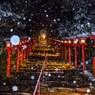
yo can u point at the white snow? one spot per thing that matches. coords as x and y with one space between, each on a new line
14 39
32 77
93 33
14 88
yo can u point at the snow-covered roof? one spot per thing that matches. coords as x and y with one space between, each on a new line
67 37
93 33
73 37
84 35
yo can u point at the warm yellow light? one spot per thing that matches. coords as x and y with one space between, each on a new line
44 36
69 42
82 41
65 41
8 44
62 41
23 42
20 43
17 43
11 45
75 42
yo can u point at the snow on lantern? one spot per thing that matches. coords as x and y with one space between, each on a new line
8 47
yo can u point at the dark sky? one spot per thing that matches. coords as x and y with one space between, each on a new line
47 14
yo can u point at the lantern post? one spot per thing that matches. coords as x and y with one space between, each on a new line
75 44
21 46
8 47
62 46
92 36
82 42
69 44
17 58
65 43
57 46
27 44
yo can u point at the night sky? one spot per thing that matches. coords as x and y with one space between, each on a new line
45 14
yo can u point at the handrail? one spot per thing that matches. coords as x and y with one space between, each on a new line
38 81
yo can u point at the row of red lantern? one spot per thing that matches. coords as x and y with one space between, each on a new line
23 44
72 42
76 41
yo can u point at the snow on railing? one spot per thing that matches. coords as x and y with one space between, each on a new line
38 81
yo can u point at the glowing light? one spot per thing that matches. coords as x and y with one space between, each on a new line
82 41
49 75
32 77
15 88
74 82
75 42
8 45
15 39
65 41
24 18
88 90
44 36
69 42
11 30
4 83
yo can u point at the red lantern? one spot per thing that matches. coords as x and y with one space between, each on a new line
82 43
62 42
65 43
8 47
17 59
69 44
92 36
75 43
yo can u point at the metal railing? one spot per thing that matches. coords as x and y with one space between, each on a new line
38 81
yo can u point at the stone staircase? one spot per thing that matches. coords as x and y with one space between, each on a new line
61 77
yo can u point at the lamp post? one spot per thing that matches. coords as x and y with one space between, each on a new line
27 43
75 43
57 46
62 46
17 58
65 43
82 43
21 45
69 44
92 36
24 47
8 47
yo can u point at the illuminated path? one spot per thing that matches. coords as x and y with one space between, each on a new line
60 77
